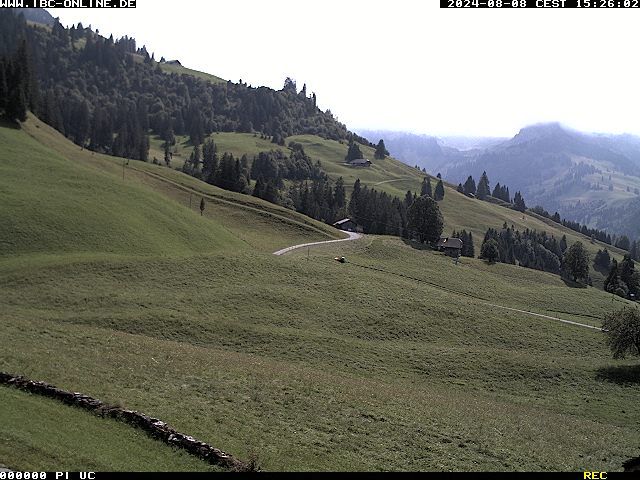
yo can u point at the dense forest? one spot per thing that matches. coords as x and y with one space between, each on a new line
108 95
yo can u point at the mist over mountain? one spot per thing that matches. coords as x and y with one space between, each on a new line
589 178
426 151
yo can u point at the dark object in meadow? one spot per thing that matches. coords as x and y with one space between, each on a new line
632 465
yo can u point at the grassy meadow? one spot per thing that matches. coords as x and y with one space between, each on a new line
392 361
41 434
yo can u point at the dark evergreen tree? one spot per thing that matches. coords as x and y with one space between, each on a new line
424 220
623 242
483 190
469 249
602 259
497 191
426 187
381 151
353 152
460 188
613 283
470 186
576 262
629 276
439 191
489 250
563 243
518 201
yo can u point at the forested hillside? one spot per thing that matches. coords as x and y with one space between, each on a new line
107 94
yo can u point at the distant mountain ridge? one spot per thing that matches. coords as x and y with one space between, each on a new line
589 178
585 177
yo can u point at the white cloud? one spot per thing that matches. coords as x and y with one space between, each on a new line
407 64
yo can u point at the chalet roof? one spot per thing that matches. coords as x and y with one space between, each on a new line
360 161
446 242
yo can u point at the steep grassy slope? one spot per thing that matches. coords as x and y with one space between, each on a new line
317 365
53 205
180 70
239 219
395 178
395 360
66 438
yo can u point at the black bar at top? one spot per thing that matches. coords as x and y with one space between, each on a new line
589 4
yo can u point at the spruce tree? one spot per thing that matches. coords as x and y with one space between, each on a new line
426 187
483 190
518 201
424 219
489 250
381 151
497 191
470 249
470 186
353 152
439 191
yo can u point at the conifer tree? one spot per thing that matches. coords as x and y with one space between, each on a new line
483 190
470 186
518 201
426 187
353 152
489 250
439 191
424 219
381 151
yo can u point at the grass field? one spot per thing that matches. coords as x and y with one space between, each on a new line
40 434
180 70
395 178
391 361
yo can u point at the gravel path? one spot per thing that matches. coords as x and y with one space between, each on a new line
352 236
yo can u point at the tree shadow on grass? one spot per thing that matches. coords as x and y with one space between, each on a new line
417 245
620 374
571 284
4 123
604 271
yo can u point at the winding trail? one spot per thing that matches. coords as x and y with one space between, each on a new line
355 236
546 316
392 180
352 236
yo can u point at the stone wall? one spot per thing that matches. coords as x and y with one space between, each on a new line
154 427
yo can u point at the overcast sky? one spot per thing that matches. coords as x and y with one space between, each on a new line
407 64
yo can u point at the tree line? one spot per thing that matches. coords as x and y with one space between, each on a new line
483 191
107 94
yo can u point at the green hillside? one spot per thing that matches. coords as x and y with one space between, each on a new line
395 178
67 438
180 70
53 205
396 360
